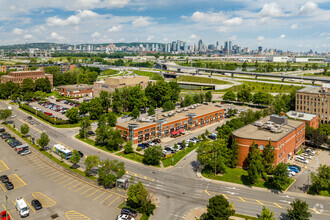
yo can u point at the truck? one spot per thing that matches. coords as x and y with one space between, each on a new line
22 207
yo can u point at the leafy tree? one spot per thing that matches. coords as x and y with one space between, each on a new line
244 95
128 148
208 96
25 129
27 85
75 158
39 95
138 198
299 210
43 84
280 176
102 131
83 108
168 106
254 164
85 126
110 171
95 108
315 136
112 119
268 156
321 180
105 98
152 155
218 209
72 114
5 113
266 214
135 113
90 162
229 96
114 139
263 98
234 152
151 110
44 140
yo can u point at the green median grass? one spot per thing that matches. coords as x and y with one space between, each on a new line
240 176
173 159
197 79
135 157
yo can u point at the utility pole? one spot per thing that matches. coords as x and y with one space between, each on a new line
6 203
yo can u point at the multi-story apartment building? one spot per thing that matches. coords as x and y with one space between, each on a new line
18 77
315 100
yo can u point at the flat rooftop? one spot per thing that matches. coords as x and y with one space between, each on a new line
316 89
75 87
200 110
252 131
300 115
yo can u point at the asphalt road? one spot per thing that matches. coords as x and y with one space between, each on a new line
180 189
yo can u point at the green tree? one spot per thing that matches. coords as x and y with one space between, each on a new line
229 96
90 162
27 85
43 84
25 129
234 152
168 106
151 110
85 127
244 95
263 98
72 114
138 198
218 209
280 176
128 148
152 155
102 131
83 108
75 158
39 95
95 108
266 214
5 114
298 210
208 96
105 98
321 180
114 140
268 156
110 171
44 140
135 113
112 119
254 164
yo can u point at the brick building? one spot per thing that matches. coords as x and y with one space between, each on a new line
315 100
78 90
310 119
112 83
192 118
6 68
19 76
286 136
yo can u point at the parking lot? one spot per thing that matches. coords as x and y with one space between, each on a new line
62 195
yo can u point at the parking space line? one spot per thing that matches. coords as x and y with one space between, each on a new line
3 166
93 193
100 196
225 196
62 178
86 191
113 201
207 192
11 217
39 165
29 205
259 202
76 185
48 175
105 199
45 168
70 183
3 188
278 205
43 199
241 199
18 179
80 188
75 215
57 176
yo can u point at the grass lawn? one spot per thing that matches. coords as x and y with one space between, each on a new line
178 156
109 72
50 156
246 217
322 193
273 80
92 142
197 79
135 157
263 87
240 176
151 75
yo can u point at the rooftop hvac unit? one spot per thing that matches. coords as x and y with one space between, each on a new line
192 107
301 115
185 109
294 113
258 123
178 111
273 129
165 115
171 113
142 119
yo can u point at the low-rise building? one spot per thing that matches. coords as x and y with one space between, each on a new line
286 136
19 76
78 90
169 123
112 83
310 119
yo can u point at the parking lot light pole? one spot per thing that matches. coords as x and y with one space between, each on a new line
6 203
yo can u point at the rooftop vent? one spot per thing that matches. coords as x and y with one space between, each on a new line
294 113
301 115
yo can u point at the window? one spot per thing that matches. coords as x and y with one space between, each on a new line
140 133
146 131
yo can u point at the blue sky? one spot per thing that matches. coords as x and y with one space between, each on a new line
297 25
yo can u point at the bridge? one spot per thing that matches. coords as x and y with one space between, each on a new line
197 70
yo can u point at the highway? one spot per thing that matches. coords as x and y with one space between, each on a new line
180 189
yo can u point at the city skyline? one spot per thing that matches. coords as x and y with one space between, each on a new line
286 25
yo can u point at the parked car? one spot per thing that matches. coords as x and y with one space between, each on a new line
156 141
295 166
5 135
5 215
15 143
129 211
301 159
80 153
36 204
9 185
310 151
294 169
142 145
124 116
2 130
91 133
22 207
291 173
24 152
4 178
125 217
307 156
8 140
212 136
29 117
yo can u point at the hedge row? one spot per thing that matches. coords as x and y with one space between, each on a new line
43 115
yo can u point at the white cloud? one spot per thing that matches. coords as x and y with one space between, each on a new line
115 28
116 3
260 38
72 20
193 37
142 22
150 38
308 8
18 31
234 37
96 35
56 36
28 36
90 4
282 36
271 10
39 29
233 21
211 17
294 27
86 3
222 29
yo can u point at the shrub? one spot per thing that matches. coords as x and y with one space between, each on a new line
139 148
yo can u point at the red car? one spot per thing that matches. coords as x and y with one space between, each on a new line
4 215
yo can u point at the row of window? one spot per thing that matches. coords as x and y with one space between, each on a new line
312 98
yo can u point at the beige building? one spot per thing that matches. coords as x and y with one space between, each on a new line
78 90
112 83
19 76
314 100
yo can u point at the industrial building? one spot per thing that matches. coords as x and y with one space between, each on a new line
286 136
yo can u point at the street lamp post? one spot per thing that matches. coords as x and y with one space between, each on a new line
6 203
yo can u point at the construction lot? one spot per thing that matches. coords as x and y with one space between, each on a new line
63 195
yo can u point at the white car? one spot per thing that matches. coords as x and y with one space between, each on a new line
307 156
310 151
13 116
290 172
125 217
22 207
301 159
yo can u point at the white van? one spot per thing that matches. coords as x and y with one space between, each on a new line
22 207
